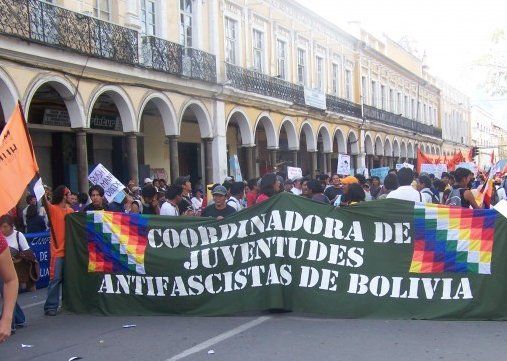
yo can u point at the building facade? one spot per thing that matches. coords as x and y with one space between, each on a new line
163 88
487 135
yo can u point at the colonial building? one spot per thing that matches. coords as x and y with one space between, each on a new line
487 136
154 87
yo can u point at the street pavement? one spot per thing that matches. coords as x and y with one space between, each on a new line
261 336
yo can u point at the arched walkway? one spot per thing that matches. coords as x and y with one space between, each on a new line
8 96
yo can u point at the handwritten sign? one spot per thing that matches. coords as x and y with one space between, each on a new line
294 173
343 164
102 177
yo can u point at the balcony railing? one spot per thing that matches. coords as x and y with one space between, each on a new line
255 82
343 106
399 121
54 26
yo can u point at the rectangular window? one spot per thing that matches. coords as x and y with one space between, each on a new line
258 49
434 117
400 104
334 77
186 23
407 109
102 9
392 101
148 17
364 90
319 68
230 40
348 84
412 106
419 111
373 93
301 67
281 50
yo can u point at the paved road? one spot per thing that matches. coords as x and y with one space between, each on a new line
256 337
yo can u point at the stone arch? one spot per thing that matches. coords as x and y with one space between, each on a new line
379 146
122 102
202 115
353 141
396 148
269 127
388 149
340 140
9 94
166 110
292 135
241 119
67 91
368 144
310 137
327 141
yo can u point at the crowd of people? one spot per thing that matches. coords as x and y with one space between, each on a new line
156 197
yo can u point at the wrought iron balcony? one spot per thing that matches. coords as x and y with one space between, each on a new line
343 106
54 26
255 82
399 121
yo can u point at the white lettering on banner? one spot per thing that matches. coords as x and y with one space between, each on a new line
102 177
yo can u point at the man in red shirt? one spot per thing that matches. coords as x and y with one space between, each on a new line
57 210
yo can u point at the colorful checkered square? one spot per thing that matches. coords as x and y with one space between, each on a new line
116 242
452 239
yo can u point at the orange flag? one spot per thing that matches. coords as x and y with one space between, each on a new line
18 165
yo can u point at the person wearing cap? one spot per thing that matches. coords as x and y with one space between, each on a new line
197 200
148 181
296 189
150 201
346 182
219 209
237 192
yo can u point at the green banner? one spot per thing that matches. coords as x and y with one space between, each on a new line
380 259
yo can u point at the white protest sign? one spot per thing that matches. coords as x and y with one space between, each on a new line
428 168
343 167
102 177
294 173
235 168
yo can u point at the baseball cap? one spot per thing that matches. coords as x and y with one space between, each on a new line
182 180
349 180
219 190
148 180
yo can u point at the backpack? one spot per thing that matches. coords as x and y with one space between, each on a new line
434 198
454 198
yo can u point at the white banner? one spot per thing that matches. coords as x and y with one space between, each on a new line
102 177
315 98
235 168
294 173
343 167
428 168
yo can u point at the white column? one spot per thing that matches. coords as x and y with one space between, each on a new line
219 142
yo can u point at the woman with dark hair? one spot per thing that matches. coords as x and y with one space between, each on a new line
270 185
34 221
355 194
315 188
375 187
390 184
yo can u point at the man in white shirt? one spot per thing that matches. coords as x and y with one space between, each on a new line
237 194
405 191
173 198
296 189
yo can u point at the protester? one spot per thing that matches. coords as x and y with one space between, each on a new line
335 189
35 223
460 194
253 192
173 198
390 184
316 192
500 190
219 209
281 182
288 185
237 192
304 188
185 206
96 193
296 187
346 183
355 194
57 210
270 186
30 200
375 187
197 200
82 201
405 190
424 187
9 291
150 202
362 181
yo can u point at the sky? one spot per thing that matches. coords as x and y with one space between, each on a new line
454 34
